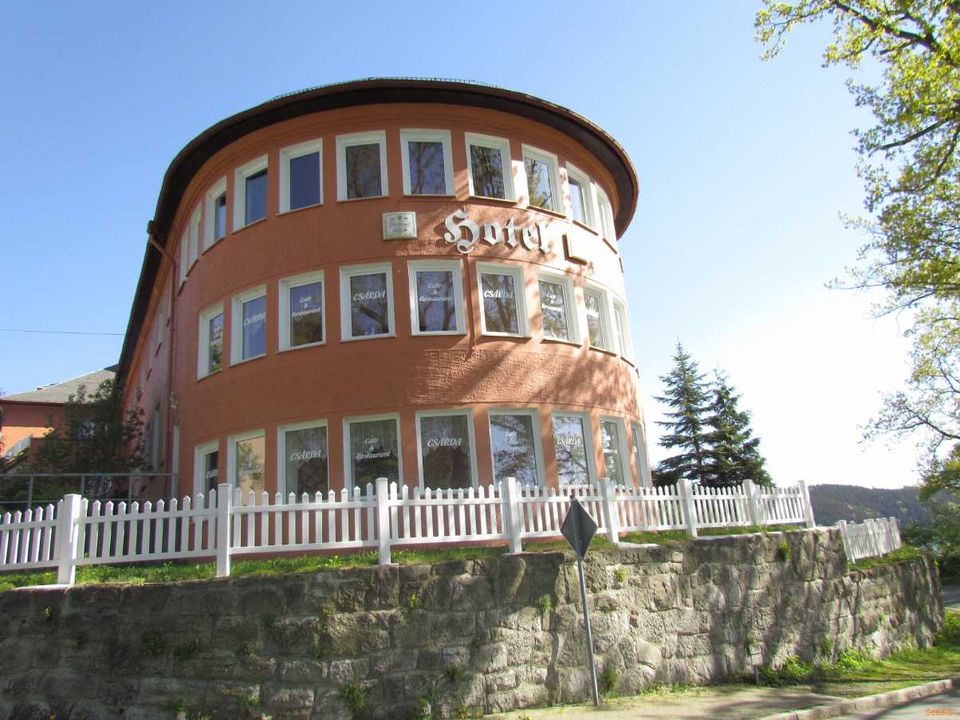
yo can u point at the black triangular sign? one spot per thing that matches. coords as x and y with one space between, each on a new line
578 528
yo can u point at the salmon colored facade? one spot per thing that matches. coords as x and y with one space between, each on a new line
441 339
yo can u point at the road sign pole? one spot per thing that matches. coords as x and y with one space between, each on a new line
586 625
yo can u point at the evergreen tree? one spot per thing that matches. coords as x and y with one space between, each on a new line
733 454
687 395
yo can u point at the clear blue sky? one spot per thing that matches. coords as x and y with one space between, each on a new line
745 167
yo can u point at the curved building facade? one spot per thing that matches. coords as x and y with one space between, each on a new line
404 278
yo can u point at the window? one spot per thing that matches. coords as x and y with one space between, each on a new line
249 325
515 446
372 449
622 329
606 215
301 311
250 193
595 302
542 180
488 162
436 298
303 459
361 165
581 206
366 302
215 213
502 309
246 460
210 345
640 454
184 264
301 176
556 308
193 233
427 164
206 467
573 449
612 439
446 449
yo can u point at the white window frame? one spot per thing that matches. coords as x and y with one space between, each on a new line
639 437
240 176
199 467
203 344
624 450
210 214
589 211
362 138
470 432
349 271
184 263
605 213
347 460
569 306
622 327
453 266
550 159
282 452
292 152
497 143
537 441
236 323
523 321
587 439
283 324
232 441
605 317
440 136
193 233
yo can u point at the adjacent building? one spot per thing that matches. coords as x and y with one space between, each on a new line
416 279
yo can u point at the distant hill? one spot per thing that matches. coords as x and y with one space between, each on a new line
854 503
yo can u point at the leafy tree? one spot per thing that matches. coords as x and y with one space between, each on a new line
941 536
734 454
910 165
687 395
95 435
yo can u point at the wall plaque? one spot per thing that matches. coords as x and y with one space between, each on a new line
400 226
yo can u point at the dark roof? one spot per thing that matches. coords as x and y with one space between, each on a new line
350 94
59 393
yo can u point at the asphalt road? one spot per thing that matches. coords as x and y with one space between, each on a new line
936 706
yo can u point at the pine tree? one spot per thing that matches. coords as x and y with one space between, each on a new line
733 454
688 396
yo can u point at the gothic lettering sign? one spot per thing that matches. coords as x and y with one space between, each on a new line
465 232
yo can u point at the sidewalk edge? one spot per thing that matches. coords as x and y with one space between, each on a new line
869 702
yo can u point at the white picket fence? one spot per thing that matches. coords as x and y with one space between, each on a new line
226 523
871 538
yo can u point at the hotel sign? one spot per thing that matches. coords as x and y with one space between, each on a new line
465 233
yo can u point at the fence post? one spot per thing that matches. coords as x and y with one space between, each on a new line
68 539
611 513
383 520
689 509
224 507
753 507
842 526
807 506
511 513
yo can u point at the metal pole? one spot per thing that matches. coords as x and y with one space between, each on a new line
586 624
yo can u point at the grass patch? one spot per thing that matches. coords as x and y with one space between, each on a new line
907 552
680 537
854 673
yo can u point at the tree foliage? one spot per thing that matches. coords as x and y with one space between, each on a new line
910 165
706 425
94 435
734 454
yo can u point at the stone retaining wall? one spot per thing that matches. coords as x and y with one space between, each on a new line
489 635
